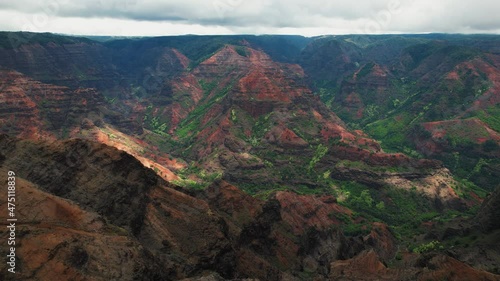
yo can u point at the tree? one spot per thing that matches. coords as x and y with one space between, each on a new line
490 145
380 205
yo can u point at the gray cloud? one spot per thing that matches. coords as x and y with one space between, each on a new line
157 17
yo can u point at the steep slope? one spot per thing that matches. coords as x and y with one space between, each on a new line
78 244
237 114
258 123
430 82
146 222
100 214
36 110
125 67
30 107
106 196
488 215
392 83
241 118
103 180
367 266
56 59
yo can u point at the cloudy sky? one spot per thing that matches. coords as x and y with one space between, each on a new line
305 17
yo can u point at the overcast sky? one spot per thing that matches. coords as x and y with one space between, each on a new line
305 17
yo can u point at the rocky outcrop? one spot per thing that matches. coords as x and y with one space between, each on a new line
96 176
472 130
61 239
305 212
382 241
32 108
367 266
231 113
128 198
103 190
92 205
253 107
285 138
242 116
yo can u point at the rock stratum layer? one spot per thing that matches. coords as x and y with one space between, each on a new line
89 211
329 135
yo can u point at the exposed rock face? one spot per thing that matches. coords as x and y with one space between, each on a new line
382 241
231 113
93 205
94 192
473 130
239 113
108 190
70 171
390 86
253 107
81 64
304 212
370 84
285 138
367 266
103 180
65 240
33 108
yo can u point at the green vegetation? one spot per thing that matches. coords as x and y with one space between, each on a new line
233 115
390 110
360 165
261 126
327 95
428 247
189 184
204 179
9 40
192 124
490 146
366 70
158 124
491 116
465 187
262 191
403 210
319 153
357 229
391 132
242 51
392 115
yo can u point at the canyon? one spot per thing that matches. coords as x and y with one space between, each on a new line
264 157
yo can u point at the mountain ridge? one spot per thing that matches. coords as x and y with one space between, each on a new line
302 164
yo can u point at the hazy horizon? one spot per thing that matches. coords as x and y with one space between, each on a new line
145 18
247 34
